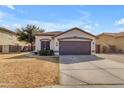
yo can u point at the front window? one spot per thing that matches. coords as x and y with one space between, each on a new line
45 45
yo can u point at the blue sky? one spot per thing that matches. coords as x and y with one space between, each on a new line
94 19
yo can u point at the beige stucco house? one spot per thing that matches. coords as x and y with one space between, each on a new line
105 40
8 39
74 41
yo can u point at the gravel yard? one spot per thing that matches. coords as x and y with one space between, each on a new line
18 70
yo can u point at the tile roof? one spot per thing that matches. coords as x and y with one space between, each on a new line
76 29
48 33
113 34
120 34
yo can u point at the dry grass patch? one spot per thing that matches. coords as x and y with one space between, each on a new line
22 71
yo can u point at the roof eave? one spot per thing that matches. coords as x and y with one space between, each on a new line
4 29
73 29
42 35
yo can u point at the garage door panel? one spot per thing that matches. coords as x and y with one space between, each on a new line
74 47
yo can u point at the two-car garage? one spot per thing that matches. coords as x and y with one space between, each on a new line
75 47
75 42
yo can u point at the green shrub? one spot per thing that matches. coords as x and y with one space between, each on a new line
46 52
51 52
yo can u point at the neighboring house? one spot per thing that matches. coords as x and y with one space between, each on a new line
8 40
110 42
74 41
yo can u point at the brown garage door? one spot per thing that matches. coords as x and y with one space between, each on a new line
75 47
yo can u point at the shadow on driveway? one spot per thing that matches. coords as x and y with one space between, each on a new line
63 59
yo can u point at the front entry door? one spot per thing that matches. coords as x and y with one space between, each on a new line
45 45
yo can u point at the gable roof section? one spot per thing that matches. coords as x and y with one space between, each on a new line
7 30
108 34
112 34
74 29
120 34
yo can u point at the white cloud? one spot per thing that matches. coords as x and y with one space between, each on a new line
120 22
50 26
6 26
11 26
11 7
2 15
88 27
5 15
121 29
16 25
62 25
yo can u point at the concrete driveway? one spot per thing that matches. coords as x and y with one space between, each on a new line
90 70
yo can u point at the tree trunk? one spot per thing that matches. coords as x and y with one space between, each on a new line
31 46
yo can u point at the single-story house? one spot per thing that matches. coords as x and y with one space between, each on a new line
110 42
9 41
74 41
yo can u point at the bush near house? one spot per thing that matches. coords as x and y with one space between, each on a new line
46 52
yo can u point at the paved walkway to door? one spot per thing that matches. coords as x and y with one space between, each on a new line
89 70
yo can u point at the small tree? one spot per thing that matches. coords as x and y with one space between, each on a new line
27 33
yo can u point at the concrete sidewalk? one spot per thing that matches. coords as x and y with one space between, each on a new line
90 70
